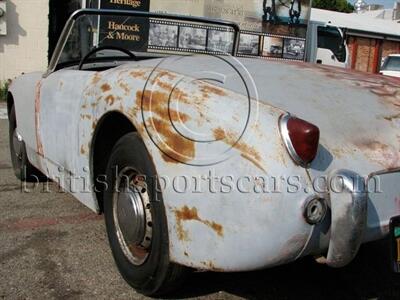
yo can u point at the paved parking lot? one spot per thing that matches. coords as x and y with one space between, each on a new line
52 247
3 111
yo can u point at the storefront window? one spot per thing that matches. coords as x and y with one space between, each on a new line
59 12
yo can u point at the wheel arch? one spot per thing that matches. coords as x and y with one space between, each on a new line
110 128
10 103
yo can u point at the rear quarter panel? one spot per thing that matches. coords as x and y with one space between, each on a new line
217 227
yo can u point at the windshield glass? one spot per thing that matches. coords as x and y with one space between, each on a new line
392 63
330 38
143 34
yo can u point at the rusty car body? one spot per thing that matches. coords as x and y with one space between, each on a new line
69 120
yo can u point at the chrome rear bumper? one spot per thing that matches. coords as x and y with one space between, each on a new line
348 203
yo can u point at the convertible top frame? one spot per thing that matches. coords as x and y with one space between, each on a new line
110 12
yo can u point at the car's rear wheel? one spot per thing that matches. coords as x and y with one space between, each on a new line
23 169
136 222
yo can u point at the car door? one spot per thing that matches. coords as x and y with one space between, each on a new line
60 101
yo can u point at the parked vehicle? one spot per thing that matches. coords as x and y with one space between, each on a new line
137 126
326 45
391 66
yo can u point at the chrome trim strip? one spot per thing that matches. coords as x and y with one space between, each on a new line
107 12
60 46
348 217
383 172
283 121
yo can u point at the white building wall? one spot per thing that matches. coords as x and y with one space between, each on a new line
24 48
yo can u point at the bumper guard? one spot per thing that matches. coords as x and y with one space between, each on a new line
348 199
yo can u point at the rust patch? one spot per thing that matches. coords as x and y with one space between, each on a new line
157 103
182 233
162 74
164 85
186 254
209 265
252 160
83 150
383 154
393 117
386 88
246 151
110 99
338 153
96 78
132 112
180 95
87 116
177 147
219 134
105 87
39 144
208 89
175 93
190 214
138 74
167 74
125 87
121 107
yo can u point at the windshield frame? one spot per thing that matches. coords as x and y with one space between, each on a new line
111 12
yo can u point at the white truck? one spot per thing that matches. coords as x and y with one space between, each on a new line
326 45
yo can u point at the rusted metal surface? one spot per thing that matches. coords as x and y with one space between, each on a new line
25 89
351 101
246 151
39 145
159 110
191 214
194 127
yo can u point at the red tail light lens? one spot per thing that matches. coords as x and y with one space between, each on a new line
301 139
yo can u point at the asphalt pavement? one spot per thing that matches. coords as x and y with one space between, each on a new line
53 247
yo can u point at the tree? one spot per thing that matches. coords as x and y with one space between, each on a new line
335 5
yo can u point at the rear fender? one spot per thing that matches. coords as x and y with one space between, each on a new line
208 228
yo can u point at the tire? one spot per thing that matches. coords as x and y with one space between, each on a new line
23 169
150 272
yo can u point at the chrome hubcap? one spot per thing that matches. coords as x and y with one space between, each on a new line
132 216
17 144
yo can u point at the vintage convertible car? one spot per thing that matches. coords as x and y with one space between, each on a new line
213 161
